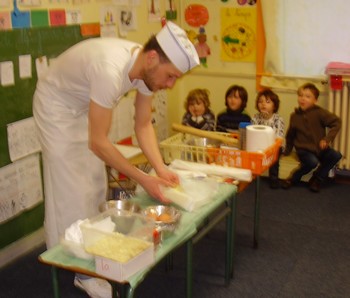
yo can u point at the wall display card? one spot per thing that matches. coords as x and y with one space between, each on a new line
5 20
7 74
40 18
25 66
4 3
22 138
73 17
154 14
20 187
57 17
238 34
20 19
108 15
127 19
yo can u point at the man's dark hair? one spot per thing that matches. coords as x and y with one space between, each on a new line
242 92
152 44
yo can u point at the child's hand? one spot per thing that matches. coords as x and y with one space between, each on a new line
323 144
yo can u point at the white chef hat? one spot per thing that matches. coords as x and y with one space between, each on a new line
179 49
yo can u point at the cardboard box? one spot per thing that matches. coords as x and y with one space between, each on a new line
106 228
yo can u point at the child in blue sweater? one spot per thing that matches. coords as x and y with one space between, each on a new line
236 99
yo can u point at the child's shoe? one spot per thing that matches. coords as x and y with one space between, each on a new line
286 184
314 184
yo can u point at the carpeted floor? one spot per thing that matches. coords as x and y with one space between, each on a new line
304 251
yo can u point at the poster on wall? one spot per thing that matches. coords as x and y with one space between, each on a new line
238 34
20 186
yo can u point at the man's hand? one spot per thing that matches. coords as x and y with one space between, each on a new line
153 186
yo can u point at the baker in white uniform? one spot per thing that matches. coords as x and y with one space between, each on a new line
72 108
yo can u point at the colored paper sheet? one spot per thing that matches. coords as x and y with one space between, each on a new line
5 20
90 29
40 18
57 17
20 19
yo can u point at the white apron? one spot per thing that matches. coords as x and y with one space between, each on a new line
75 180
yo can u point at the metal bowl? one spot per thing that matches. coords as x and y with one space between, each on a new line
124 205
165 217
204 142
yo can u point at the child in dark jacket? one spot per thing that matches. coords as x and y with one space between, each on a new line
236 98
311 131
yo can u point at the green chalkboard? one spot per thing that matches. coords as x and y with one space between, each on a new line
16 102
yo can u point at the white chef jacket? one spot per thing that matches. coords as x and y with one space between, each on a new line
75 181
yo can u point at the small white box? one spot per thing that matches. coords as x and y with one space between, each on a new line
106 226
122 271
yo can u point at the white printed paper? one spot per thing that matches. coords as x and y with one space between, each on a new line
25 66
22 138
7 73
73 17
20 187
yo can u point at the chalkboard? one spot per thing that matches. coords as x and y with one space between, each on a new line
16 102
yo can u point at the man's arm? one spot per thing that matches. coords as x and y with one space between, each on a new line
99 124
147 139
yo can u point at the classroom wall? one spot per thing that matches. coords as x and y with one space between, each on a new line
217 77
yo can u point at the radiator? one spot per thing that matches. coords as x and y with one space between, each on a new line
339 104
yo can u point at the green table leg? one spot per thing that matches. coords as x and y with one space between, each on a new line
125 291
189 269
56 290
230 239
257 212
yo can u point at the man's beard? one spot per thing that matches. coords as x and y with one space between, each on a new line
148 79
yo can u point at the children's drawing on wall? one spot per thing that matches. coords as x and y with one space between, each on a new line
73 17
20 186
202 47
170 10
238 34
197 15
126 20
5 21
108 17
153 11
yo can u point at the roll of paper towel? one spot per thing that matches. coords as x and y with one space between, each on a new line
259 137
